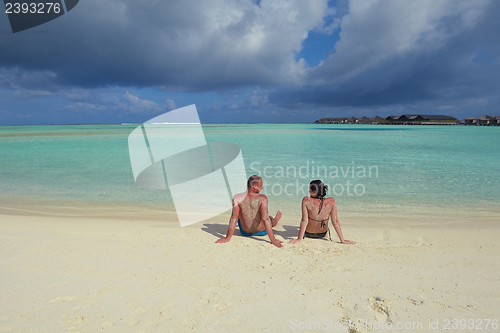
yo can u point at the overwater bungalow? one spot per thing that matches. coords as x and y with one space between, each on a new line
409 119
364 120
422 119
376 119
483 120
433 119
392 119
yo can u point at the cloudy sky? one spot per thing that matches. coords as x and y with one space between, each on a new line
120 61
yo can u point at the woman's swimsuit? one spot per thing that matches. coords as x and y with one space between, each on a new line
315 234
323 224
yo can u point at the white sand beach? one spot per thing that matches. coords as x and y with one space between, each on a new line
112 275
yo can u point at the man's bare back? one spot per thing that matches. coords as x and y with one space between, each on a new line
250 214
250 209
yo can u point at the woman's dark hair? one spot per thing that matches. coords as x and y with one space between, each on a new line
319 187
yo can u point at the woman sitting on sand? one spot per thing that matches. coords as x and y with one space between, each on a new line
316 210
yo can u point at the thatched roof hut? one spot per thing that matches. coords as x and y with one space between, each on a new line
364 120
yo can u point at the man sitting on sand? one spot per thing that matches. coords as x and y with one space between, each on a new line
250 211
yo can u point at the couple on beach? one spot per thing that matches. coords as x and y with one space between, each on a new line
250 212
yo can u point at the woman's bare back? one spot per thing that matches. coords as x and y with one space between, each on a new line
318 213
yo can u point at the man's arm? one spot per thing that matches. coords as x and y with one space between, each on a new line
264 214
336 225
303 223
232 222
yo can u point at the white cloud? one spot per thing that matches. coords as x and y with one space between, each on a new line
170 104
17 78
114 101
30 94
134 104
376 31
86 108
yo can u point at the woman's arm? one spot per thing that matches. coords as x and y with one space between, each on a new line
303 223
336 225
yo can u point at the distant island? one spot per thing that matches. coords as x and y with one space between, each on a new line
414 119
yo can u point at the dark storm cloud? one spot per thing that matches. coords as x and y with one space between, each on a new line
184 45
447 56
16 78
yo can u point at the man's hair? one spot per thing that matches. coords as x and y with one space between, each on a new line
252 180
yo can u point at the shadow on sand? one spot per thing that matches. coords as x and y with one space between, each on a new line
220 230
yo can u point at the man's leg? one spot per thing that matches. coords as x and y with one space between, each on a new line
275 220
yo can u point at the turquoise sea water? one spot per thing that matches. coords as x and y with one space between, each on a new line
397 169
